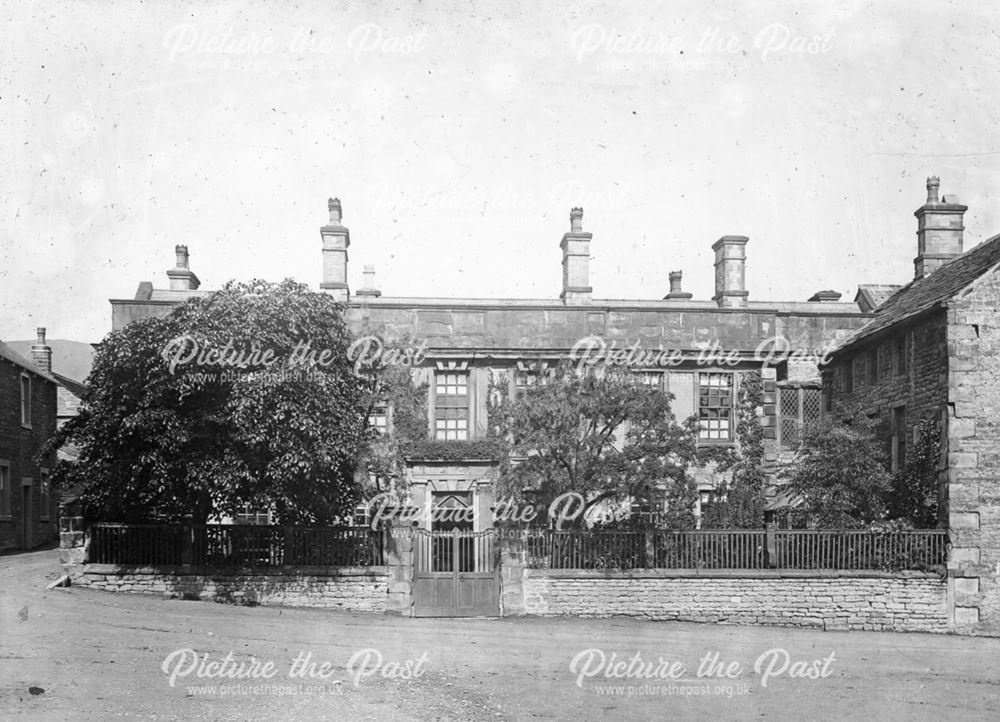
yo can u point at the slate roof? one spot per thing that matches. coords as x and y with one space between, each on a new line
876 294
924 294
74 387
11 355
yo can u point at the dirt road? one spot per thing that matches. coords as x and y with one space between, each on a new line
99 655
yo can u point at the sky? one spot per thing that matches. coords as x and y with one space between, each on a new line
458 135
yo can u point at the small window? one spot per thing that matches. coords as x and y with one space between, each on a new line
252 515
26 400
902 353
4 488
873 366
796 408
45 497
715 406
378 419
652 380
898 438
848 371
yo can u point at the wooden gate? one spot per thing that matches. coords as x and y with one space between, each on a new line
455 574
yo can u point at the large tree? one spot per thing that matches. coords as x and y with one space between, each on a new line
246 396
839 476
604 436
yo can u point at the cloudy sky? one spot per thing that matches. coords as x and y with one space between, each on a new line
459 134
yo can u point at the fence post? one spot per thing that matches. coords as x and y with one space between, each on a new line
288 551
512 560
649 552
770 545
186 545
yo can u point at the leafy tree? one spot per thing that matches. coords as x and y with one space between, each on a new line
603 436
915 488
839 474
246 396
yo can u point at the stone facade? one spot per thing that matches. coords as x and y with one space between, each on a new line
361 589
973 467
905 602
930 352
28 503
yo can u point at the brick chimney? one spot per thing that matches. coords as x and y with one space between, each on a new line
336 240
730 271
940 224
181 277
41 352
369 289
675 287
575 247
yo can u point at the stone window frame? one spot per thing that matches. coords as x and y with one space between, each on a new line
799 418
871 365
730 431
528 374
25 381
44 494
901 362
6 480
898 448
452 410
848 374
379 418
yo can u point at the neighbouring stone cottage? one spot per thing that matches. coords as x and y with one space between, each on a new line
931 353
28 418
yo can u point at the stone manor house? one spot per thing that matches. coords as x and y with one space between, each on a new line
468 339
924 350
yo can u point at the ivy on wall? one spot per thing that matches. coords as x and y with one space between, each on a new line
742 506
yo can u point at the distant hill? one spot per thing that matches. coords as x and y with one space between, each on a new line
72 359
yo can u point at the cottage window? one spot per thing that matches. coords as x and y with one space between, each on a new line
796 408
848 371
902 351
26 400
898 438
378 419
873 366
715 406
44 497
4 488
451 406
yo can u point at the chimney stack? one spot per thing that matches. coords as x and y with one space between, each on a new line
675 287
369 289
730 271
181 276
940 224
575 247
336 240
41 352
825 297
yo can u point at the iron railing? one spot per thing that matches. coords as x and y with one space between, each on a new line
736 549
234 545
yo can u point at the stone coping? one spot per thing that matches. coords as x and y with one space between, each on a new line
193 570
727 574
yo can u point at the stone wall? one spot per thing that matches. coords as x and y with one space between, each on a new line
360 589
908 601
922 389
973 473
